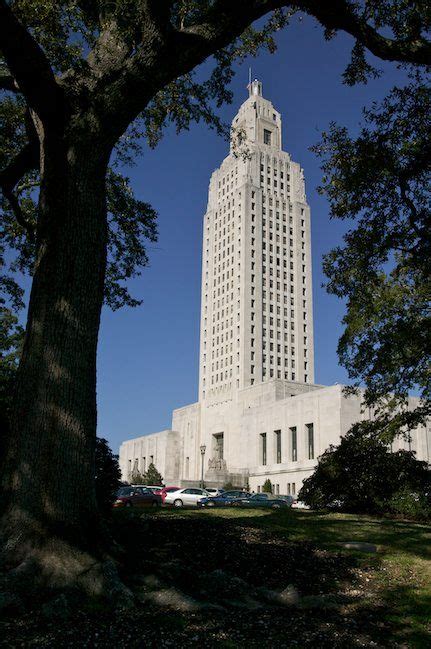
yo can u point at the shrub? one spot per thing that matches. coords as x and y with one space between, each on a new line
107 478
267 487
228 486
410 504
362 475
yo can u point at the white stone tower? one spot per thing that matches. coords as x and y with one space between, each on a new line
256 310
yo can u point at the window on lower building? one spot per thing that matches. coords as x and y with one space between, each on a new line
218 446
310 440
293 489
263 448
293 444
277 434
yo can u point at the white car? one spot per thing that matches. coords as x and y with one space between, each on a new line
214 492
185 497
298 504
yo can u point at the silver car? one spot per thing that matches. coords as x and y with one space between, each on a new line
190 496
214 492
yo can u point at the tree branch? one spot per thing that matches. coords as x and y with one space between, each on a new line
413 216
183 49
337 14
26 160
7 82
30 68
342 15
16 208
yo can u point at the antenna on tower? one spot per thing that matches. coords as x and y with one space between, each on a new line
249 81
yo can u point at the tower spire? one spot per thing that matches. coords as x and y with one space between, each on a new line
254 87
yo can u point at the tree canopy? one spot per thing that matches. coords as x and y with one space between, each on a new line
381 181
82 56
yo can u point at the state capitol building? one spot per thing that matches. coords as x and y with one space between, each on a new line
259 414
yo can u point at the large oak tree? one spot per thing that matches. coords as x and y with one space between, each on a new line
78 76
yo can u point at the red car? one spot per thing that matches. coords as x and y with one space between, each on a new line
166 490
137 497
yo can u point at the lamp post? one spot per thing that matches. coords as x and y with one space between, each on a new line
203 449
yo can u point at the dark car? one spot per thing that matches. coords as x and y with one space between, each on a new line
263 500
224 499
137 497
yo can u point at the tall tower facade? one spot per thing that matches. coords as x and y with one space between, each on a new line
256 308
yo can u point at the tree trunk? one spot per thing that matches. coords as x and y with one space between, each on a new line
50 525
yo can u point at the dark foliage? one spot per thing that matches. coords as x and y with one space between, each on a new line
107 477
362 475
11 339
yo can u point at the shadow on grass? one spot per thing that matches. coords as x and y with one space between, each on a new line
400 536
245 578
231 559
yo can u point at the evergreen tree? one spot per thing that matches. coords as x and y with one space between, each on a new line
267 486
107 477
152 476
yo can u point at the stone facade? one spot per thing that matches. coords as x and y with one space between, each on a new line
259 413
274 430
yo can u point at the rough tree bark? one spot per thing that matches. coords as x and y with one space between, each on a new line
51 527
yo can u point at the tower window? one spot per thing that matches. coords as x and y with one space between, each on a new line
266 136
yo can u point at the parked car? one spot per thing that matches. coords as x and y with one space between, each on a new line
152 487
289 499
137 497
165 490
185 497
263 500
214 492
298 504
223 500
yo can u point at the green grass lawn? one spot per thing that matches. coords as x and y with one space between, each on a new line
398 576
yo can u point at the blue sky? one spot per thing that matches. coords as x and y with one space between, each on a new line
148 356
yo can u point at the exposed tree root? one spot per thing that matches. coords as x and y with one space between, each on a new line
37 571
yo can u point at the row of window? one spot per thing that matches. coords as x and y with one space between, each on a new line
290 489
133 465
291 451
220 311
